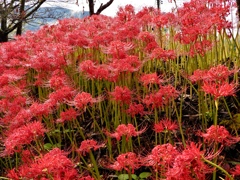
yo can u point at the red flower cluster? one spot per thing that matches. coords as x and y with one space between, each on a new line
67 115
162 97
219 134
165 125
152 78
188 161
127 161
219 90
219 73
121 94
87 145
125 130
23 135
135 109
165 55
215 82
161 157
54 164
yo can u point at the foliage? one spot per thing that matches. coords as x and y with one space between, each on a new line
139 96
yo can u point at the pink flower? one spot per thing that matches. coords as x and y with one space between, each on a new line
165 125
127 130
219 134
87 145
127 161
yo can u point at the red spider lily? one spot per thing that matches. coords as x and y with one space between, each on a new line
219 89
118 49
10 91
146 37
150 47
45 60
198 75
121 94
13 74
86 178
211 16
236 170
61 95
129 30
218 73
161 157
39 110
127 64
200 48
164 20
126 13
162 97
87 145
68 115
54 164
58 79
187 162
135 109
219 134
152 78
165 55
11 108
165 125
93 71
125 130
101 71
22 117
23 135
4 80
83 99
127 161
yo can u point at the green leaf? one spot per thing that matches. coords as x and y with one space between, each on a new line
123 177
126 176
145 175
48 146
134 176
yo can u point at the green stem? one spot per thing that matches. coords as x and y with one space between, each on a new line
179 118
218 167
216 112
95 165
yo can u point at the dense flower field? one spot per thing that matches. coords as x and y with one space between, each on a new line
144 95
